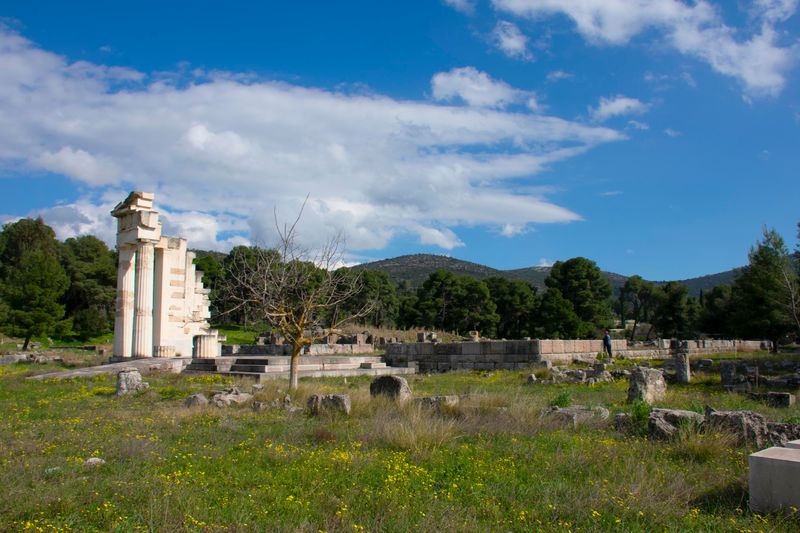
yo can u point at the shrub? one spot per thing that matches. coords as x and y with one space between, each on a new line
640 414
562 399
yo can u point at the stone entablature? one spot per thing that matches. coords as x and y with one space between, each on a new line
162 307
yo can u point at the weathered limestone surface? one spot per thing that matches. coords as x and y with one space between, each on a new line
646 384
330 403
749 427
161 304
393 387
665 423
774 480
129 381
196 400
683 372
578 414
438 403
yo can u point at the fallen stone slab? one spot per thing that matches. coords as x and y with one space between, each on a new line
747 426
438 403
577 414
329 403
774 399
665 423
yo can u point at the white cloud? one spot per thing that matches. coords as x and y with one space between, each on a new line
79 165
671 132
511 41
475 88
773 10
464 6
610 193
512 230
220 152
758 61
617 106
635 124
544 262
558 75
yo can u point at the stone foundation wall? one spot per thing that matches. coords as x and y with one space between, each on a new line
514 355
286 349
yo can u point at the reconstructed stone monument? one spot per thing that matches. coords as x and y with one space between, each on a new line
162 307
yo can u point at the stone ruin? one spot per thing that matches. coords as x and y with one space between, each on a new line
161 307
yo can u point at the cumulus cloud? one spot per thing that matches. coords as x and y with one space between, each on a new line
672 133
759 60
544 262
475 88
617 106
511 41
221 152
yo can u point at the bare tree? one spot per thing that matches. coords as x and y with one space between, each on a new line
300 293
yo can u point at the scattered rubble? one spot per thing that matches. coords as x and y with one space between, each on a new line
232 395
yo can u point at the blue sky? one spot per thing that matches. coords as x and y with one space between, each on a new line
653 136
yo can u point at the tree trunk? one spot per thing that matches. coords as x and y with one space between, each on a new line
293 364
633 330
26 343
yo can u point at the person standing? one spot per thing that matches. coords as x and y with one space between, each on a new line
607 344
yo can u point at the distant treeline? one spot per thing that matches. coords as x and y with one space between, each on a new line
67 289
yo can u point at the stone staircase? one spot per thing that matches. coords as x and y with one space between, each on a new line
261 367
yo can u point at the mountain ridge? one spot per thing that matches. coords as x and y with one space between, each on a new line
410 271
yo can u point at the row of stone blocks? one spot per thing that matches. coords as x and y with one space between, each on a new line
718 345
774 479
286 349
495 351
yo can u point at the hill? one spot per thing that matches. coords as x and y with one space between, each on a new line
411 271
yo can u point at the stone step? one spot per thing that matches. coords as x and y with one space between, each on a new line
372 365
327 373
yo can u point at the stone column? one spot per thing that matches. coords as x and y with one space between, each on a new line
206 346
143 315
123 318
683 371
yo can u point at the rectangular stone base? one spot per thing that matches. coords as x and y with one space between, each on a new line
774 479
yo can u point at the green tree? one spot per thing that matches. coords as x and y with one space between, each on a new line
670 318
455 303
715 312
764 292
89 301
638 299
557 318
378 290
581 282
211 265
516 302
32 279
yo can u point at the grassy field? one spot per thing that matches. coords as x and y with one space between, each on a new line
494 463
